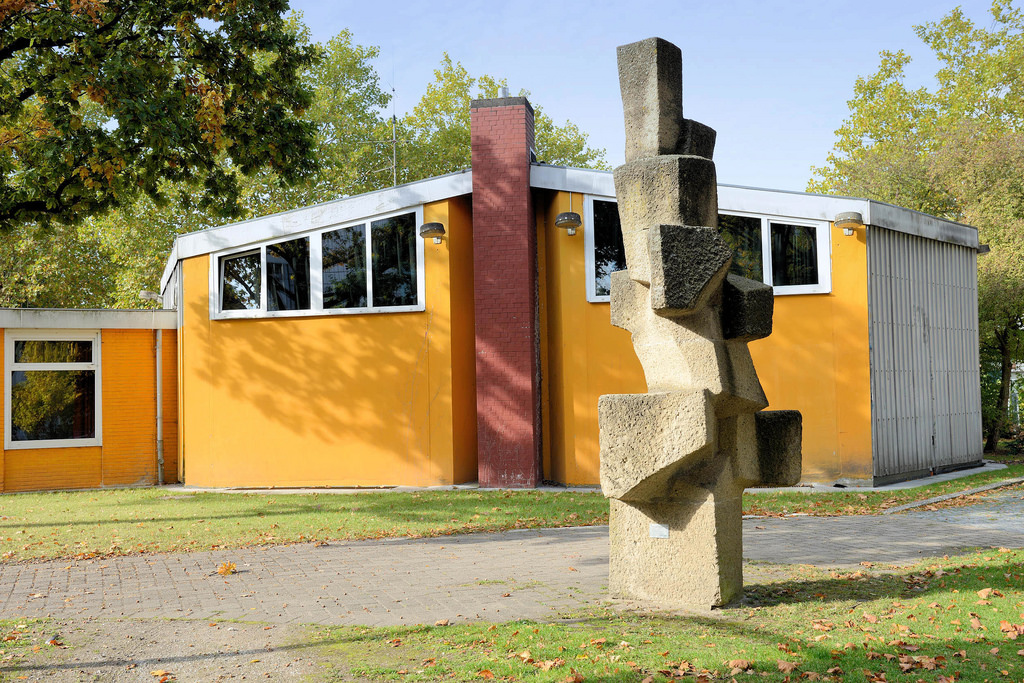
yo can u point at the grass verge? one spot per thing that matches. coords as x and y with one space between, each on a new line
853 502
19 638
85 524
956 619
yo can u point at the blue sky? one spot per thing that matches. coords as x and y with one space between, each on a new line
771 77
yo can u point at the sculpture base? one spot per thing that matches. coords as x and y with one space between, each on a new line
682 553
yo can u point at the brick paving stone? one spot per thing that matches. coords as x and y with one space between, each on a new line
536 574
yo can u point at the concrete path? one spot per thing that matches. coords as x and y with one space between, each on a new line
494 577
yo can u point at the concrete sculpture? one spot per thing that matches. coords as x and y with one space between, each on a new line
675 461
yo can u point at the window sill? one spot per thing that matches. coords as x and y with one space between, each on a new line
52 443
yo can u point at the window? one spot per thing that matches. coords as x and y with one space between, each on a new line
51 389
792 256
325 272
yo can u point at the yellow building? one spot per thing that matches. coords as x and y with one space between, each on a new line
333 345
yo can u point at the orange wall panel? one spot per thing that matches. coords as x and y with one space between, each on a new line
816 360
583 356
129 407
127 456
332 400
52 468
170 405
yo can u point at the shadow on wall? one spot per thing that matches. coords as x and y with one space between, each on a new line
316 390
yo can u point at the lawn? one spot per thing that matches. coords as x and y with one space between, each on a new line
852 502
955 619
87 524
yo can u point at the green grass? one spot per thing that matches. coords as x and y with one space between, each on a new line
87 524
123 521
853 502
926 622
19 637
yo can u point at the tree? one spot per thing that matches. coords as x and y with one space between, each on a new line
101 100
438 128
105 260
957 151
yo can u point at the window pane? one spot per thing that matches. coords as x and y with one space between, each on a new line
53 404
240 282
288 275
794 255
743 235
609 254
393 245
345 268
33 351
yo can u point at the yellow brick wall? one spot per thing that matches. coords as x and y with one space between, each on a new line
170 401
128 407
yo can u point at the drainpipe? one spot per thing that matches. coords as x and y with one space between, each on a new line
159 407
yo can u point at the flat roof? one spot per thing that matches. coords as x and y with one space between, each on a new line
778 203
87 319
562 178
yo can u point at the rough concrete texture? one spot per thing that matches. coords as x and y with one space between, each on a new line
677 430
747 307
675 461
779 433
688 265
653 73
696 139
666 190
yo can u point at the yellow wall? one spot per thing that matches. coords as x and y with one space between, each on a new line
336 400
816 360
128 453
582 355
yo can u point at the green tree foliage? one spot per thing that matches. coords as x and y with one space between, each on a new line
107 259
954 150
438 127
103 99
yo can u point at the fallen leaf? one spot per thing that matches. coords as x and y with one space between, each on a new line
787 667
485 673
984 593
441 622
226 568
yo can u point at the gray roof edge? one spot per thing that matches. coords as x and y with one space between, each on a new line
790 203
310 217
892 217
88 319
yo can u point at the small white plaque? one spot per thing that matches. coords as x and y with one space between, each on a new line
659 530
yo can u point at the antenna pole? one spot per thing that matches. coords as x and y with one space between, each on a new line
394 151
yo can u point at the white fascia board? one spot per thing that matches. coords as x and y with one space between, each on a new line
72 319
565 179
783 203
305 219
172 262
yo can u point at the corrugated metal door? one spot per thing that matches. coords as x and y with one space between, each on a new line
923 317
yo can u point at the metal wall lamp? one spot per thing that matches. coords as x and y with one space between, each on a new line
848 221
568 220
435 230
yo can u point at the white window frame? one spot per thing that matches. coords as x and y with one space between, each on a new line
10 367
316 294
822 239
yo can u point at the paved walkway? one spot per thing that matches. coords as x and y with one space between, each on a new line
495 577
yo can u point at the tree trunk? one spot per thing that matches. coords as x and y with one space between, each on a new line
1002 404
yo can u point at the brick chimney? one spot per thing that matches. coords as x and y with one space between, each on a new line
505 290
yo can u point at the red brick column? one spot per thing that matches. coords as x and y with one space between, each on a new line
505 291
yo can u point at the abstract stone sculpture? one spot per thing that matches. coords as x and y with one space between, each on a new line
675 460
